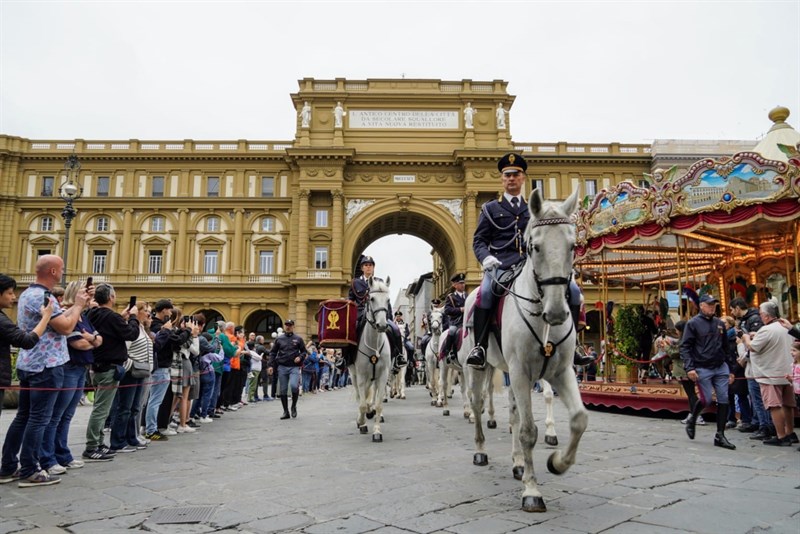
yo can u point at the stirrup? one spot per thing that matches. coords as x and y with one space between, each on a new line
477 358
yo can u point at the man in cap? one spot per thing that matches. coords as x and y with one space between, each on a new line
454 312
498 244
705 354
426 325
287 354
359 293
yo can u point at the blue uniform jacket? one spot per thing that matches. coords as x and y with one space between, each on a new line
452 309
500 232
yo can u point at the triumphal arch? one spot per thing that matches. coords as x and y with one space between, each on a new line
256 231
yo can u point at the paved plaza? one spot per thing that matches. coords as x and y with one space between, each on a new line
317 474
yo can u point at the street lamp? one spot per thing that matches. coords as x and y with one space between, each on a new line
70 191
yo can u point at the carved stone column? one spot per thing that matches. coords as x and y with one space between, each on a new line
236 253
470 224
236 310
180 247
302 233
337 230
301 308
125 243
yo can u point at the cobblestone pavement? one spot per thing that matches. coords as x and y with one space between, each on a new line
316 474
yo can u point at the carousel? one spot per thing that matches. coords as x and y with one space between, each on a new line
729 227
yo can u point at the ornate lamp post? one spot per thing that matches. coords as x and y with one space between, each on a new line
70 191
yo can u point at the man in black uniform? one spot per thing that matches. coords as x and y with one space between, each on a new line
426 324
287 353
359 293
454 313
499 244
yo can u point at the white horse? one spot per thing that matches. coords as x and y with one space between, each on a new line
432 353
370 371
448 373
538 339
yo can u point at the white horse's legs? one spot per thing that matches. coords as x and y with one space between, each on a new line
462 381
521 385
550 427
478 387
444 383
567 387
401 382
517 461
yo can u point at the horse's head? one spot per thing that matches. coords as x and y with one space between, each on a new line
550 238
378 304
436 321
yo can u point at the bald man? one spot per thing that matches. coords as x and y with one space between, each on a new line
40 368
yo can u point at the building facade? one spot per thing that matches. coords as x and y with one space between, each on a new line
257 231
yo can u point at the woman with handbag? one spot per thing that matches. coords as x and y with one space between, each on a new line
124 427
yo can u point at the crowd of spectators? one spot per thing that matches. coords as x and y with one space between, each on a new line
154 373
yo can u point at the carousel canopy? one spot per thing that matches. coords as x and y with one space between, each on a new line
720 213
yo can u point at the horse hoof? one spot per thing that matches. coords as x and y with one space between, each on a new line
446 413
552 467
382 420
363 429
377 438
433 403
551 440
466 416
385 400
402 397
517 471
370 414
480 458
439 404
491 423
533 504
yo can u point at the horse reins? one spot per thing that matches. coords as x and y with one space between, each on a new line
373 358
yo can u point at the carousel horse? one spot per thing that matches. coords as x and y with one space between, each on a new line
538 343
432 353
370 371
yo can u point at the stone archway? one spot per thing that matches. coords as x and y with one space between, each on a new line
212 316
419 218
263 322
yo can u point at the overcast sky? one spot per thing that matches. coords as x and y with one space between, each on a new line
581 71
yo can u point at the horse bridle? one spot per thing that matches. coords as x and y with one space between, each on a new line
373 322
553 280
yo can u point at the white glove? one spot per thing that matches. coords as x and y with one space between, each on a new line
490 262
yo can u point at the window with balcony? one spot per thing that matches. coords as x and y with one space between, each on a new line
212 224
267 186
322 219
266 262
321 257
157 187
99 261
101 224
48 182
538 184
157 223
46 224
212 186
103 186
211 262
155 262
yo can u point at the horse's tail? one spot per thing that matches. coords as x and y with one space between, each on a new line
497 381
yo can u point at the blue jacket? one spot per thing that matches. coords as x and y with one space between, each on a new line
500 232
705 344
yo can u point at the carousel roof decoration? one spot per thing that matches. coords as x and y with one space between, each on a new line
719 211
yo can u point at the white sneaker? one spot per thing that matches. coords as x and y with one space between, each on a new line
700 420
233 407
169 432
57 470
206 420
185 430
75 464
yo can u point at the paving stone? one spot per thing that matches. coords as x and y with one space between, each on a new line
177 528
430 522
488 525
352 525
595 519
7 526
278 523
106 525
633 527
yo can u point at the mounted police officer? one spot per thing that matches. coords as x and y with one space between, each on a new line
454 312
359 293
426 324
499 245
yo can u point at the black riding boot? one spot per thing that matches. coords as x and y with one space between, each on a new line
481 320
397 348
722 417
294 403
285 403
690 424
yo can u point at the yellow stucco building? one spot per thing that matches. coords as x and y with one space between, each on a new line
257 231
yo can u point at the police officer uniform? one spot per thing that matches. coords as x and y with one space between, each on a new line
498 244
454 312
426 324
285 350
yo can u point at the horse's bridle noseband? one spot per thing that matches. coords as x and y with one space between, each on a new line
553 280
371 316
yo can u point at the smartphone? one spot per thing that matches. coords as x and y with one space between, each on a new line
88 282
132 302
47 296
